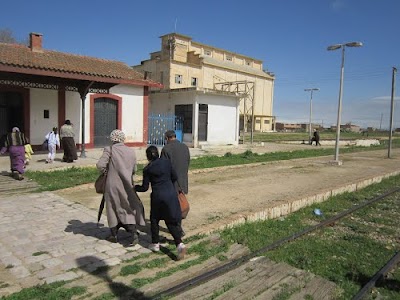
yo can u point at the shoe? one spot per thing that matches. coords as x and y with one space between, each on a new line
154 247
135 239
112 239
183 233
181 251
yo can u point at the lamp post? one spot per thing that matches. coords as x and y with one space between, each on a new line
330 48
310 124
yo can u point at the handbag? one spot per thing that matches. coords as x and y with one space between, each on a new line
100 183
184 203
45 145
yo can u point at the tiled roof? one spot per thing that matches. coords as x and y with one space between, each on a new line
19 56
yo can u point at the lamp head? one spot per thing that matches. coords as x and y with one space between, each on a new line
335 47
353 44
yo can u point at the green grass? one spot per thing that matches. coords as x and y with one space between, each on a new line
349 253
53 291
325 135
65 178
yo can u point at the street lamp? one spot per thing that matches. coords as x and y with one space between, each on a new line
310 124
330 48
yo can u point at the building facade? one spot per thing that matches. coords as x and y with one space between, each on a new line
182 63
40 89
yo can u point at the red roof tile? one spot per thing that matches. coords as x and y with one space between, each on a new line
13 55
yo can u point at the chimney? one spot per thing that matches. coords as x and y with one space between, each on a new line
36 42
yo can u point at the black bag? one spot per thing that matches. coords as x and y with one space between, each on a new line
100 184
45 145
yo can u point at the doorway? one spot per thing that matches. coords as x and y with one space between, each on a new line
203 122
105 120
11 111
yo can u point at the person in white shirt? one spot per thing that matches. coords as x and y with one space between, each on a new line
53 140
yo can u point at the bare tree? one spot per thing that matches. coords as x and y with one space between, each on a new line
7 36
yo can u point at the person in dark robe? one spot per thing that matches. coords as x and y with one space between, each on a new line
67 135
316 138
164 203
179 155
14 142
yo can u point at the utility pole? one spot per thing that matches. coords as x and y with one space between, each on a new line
380 124
392 110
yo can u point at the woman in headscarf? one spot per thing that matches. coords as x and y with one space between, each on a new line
14 143
164 199
67 135
123 206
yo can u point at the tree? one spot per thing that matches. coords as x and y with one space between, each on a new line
7 36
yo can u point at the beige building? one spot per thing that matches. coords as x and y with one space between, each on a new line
183 64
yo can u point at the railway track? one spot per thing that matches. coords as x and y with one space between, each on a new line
239 262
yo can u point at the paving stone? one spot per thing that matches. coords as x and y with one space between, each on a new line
62 277
49 263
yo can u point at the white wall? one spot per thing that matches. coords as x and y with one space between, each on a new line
39 126
43 99
73 112
222 119
132 111
223 114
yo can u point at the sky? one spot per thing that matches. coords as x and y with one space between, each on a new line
290 37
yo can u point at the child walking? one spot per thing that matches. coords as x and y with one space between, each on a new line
28 153
53 140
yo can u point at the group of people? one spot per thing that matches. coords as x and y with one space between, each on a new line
66 139
167 174
20 150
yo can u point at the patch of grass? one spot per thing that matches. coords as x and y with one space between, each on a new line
204 249
105 296
3 285
348 253
226 287
39 253
51 291
151 264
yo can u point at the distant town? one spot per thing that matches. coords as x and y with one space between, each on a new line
304 127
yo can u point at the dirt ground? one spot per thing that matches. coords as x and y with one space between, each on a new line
220 196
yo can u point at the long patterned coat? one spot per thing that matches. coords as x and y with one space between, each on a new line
179 155
122 203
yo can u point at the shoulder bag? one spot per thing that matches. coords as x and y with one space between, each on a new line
183 202
100 183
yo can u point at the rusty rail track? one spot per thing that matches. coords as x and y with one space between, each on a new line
187 285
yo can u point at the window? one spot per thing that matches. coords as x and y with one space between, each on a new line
194 81
207 52
228 57
185 112
178 79
248 63
266 121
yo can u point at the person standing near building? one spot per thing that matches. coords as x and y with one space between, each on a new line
179 155
53 141
67 135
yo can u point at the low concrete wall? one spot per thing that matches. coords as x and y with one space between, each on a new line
362 142
288 207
